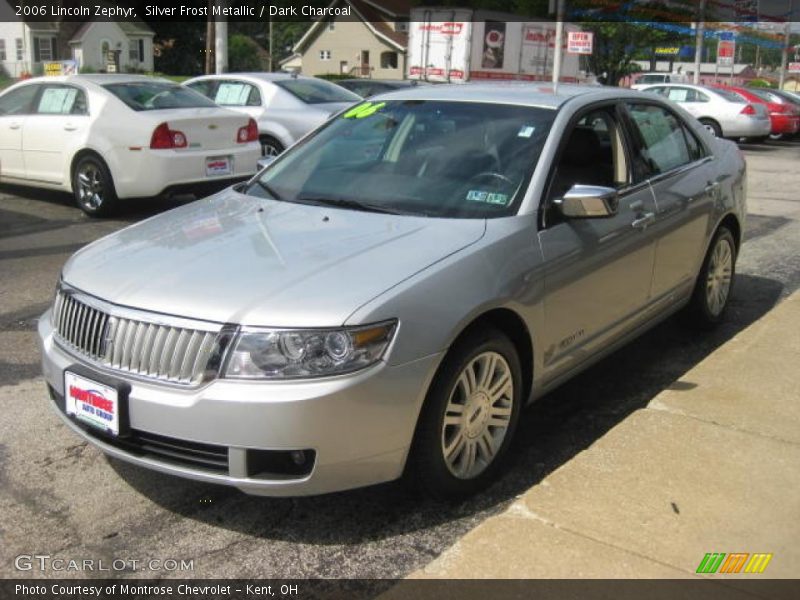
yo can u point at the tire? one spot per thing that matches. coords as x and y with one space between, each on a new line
757 140
714 285
777 136
712 126
477 447
93 187
270 146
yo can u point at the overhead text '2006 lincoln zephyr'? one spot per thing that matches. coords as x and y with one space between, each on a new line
384 298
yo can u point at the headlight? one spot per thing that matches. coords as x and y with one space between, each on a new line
288 354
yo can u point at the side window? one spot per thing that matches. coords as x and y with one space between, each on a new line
18 101
696 149
61 100
661 137
701 97
594 154
237 93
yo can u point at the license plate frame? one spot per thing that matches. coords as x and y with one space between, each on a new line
89 395
219 166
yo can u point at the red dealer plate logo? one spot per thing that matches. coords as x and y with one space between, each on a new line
218 165
92 402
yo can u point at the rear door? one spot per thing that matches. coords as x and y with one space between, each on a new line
60 115
599 270
15 106
680 169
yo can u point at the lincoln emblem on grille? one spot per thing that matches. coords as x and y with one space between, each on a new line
106 339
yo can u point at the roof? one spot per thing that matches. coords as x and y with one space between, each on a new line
262 76
128 28
98 78
524 94
374 17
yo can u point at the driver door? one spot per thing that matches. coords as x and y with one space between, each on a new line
598 270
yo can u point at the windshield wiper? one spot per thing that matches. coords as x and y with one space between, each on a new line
349 203
267 188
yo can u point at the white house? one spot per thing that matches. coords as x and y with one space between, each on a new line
25 46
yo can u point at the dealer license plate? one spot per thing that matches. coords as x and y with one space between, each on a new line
217 166
92 402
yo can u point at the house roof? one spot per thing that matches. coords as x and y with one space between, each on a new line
132 28
373 16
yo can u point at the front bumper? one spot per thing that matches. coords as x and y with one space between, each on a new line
147 173
358 426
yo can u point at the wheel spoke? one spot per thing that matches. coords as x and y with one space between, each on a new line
500 387
454 449
488 367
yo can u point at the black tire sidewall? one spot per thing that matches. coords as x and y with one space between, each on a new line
268 140
717 129
699 304
427 466
109 194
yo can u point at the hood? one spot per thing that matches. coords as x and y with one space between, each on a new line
239 259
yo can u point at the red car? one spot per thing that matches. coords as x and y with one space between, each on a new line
784 116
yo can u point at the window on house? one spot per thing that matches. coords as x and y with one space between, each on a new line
2 50
324 54
331 25
133 51
44 49
20 54
388 60
140 43
401 26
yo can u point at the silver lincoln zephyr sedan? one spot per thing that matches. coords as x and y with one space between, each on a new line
385 297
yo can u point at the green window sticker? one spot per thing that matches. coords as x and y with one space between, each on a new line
487 197
363 110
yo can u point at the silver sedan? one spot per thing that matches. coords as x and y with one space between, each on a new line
722 112
384 298
285 106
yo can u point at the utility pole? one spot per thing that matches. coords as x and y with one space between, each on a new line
786 42
271 63
558 45
210 39
221 42
698 41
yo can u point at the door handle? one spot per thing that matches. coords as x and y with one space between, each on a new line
644 220
14 125
70 127
712 185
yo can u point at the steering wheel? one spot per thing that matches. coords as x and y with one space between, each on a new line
492 175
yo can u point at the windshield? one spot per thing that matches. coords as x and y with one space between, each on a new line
316 91
440 159
154 95
651 79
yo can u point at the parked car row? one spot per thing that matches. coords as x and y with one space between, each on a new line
735 112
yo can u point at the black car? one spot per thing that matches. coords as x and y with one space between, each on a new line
369 87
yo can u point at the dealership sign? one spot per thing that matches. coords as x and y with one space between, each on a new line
60 67
726 49
580 42
793 67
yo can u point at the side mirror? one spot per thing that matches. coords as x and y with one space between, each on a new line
264 161
588 202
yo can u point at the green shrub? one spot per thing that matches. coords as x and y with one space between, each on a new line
760 83
244 54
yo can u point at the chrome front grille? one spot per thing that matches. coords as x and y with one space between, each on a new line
147 347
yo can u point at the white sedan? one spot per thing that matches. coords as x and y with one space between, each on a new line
107 137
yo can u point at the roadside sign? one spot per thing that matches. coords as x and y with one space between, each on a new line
667 50
793 67
60 67
580 42
726 50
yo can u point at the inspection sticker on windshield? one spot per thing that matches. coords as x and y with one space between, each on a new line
526 131
364 110
487 197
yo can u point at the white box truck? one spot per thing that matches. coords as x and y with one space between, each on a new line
458 44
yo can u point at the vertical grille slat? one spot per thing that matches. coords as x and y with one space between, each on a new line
152 350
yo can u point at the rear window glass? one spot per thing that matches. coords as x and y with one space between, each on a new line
316 91
157 96
729 96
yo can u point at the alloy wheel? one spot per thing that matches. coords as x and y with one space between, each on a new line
478 415
90 186
718 279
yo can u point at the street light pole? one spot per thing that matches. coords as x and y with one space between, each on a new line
558 45
698 41
786 42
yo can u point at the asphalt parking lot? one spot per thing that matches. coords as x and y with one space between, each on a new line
62 498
